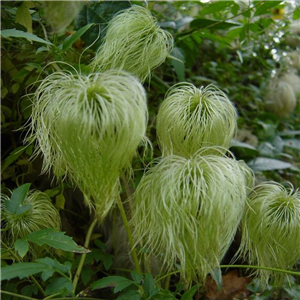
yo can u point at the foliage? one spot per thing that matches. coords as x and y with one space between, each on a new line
238 46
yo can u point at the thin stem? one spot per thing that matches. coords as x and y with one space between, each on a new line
17 295
261 268
129 234
82 259
18 260
167 275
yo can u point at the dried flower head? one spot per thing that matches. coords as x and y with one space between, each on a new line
88 127
41 215
270 230
187 210
190 118
133 42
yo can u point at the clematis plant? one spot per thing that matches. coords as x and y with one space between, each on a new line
88 128
42 214
190 118
133 42
270 231
187 210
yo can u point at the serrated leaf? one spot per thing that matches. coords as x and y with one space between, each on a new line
14 205
55 239
149 285
98 12
188 295
14 33
21 247
137 277
130 295
60 284
268 164
21 270
120 283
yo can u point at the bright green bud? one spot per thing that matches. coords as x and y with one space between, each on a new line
89 127
190 118
133 42
187 211
271 230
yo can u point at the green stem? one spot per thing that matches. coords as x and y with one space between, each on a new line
82 259
129 235
261 268
18 260
167 275
17 295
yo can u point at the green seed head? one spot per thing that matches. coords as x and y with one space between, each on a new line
41 215
59 14
133 42
190 118
88 127
187 211
270 230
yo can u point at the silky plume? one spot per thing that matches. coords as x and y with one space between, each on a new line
133 42
186 211
271 230
88 128
190 118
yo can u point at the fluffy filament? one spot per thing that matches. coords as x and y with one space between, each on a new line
190 118
271 230
88 127
187 211
41 215
133 42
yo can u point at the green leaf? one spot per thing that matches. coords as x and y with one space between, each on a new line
21 270
21 247
213 24
215 7
14 205
12 33
265 7
70 40
60 284
149 285
188 295
216 274
178 63
53 266
296 14
29 290
120 283
137 277
55 239
131 295
23 17
292 143
268 164
13 156
98 12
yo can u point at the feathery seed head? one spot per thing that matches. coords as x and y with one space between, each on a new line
188 210
190 118
88 127
59 14
270 229
133 42
41 215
